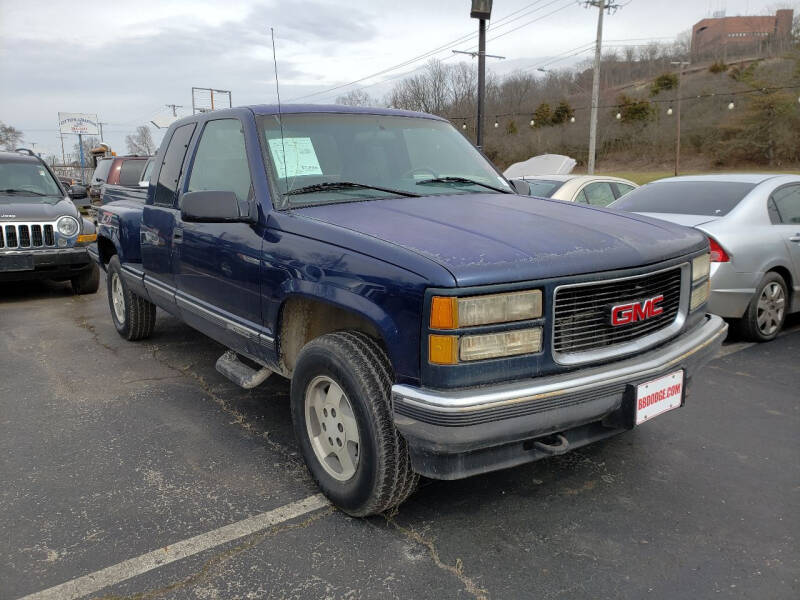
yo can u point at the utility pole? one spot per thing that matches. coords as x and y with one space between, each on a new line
173 107
63 156
602 6
101 129
681 64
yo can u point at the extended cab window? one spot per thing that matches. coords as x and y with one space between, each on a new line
171 167
130 172
220 163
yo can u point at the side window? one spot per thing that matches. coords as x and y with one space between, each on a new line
786 204
581 197
623 188
171 167
599 194
220 163
130 171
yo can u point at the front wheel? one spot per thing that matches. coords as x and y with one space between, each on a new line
341 413
134 317
764 317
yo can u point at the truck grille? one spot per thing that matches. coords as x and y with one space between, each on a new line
27 235
582 313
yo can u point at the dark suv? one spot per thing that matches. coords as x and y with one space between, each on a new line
42 234
116 170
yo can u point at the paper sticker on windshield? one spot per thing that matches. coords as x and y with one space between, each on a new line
300 157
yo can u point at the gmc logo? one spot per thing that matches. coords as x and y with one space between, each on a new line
622 314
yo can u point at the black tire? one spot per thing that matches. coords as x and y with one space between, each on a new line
749 325
87 282
139 314
383 476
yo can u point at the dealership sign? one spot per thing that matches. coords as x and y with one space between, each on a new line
78 123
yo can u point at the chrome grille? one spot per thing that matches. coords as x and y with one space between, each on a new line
582 313
27 235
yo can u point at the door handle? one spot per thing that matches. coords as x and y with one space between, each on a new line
177 234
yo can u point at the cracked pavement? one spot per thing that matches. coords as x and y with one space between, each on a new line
112 449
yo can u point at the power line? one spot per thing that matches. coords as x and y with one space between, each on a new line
504 21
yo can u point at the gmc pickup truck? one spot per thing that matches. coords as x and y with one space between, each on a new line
432 321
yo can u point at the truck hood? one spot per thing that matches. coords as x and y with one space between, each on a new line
27 208
494 238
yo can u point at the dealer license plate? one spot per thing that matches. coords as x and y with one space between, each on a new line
658 396
16 262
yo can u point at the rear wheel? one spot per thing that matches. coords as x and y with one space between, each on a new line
87 282
134 317
341 412
766 312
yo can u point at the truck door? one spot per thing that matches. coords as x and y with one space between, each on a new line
218 264
158 222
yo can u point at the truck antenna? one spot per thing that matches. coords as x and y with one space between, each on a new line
280 116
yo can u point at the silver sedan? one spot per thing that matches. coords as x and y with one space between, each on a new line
753 226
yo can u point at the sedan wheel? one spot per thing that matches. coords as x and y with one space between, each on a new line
771 309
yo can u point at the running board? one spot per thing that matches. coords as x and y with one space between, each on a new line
239 373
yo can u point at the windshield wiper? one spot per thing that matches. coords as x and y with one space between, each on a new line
28 192
462 180
344 185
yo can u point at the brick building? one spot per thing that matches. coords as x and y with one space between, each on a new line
722 37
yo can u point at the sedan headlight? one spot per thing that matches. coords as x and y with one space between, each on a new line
452 313
67 226
701 266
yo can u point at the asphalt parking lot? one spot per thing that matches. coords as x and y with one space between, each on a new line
114 454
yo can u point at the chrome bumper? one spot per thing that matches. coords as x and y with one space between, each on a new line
454 433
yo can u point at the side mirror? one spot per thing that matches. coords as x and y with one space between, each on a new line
212 207
521 187
76 192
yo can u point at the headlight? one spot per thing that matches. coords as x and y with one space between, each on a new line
507 343
67 226
701 267
452 313
699 295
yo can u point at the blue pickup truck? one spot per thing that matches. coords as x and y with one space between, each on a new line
432 321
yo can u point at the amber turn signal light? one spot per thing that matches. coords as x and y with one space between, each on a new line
443 349
444 313
85 239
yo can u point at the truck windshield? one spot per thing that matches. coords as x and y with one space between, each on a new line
370 156
28 181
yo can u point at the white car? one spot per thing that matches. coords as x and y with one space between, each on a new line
597 190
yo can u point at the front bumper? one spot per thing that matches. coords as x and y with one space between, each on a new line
457 433
49 263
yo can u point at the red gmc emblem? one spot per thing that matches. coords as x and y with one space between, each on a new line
622 314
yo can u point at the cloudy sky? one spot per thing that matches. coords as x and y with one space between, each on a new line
125 61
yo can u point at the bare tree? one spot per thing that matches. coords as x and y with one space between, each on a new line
10 137
356 98
89 142
140 142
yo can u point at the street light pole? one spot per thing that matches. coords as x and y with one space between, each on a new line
481 79
481 10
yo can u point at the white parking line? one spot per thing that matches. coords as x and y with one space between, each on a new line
93 582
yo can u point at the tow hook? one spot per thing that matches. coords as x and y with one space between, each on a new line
559 446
